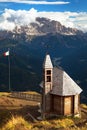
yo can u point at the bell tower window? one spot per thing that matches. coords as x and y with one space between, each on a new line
48 78
48 72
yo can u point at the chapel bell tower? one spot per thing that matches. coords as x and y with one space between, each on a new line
47 85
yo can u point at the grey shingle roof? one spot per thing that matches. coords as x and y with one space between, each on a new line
63 85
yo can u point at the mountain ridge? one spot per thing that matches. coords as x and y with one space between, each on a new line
42 26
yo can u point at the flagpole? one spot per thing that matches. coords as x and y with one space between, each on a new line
9 70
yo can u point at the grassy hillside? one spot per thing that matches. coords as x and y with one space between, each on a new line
20 123
16 114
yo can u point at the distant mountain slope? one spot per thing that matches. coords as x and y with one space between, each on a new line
67 47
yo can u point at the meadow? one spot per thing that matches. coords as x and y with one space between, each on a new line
22 114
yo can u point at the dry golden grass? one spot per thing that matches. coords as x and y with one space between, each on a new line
84 106
4 94
14 102
12 106
78 128
31 92
17 123
13 113
63 123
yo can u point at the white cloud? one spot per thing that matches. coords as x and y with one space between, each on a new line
10 18
36 2
20 17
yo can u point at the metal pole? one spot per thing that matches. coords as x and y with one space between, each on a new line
9 70
44 102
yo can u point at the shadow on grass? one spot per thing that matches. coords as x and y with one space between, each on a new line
24 111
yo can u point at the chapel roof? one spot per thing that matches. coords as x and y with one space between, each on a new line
63 84
47 62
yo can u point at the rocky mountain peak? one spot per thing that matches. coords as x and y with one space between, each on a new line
43 26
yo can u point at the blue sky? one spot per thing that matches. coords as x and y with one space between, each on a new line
48 5
71 13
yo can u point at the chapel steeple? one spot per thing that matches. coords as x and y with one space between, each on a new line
47 85
47 62
48 72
